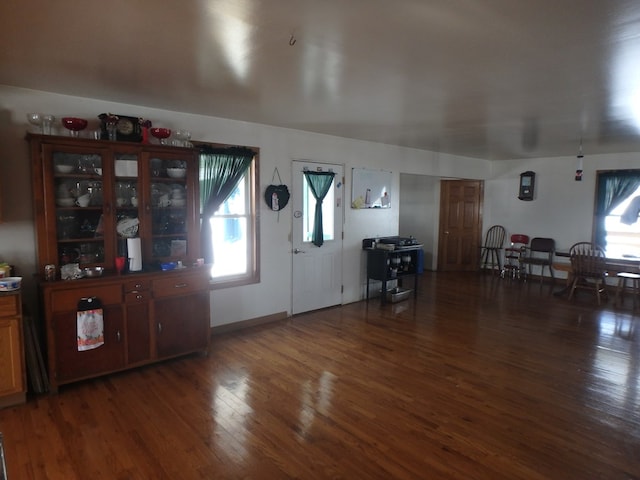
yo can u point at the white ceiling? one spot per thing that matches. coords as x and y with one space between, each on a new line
493 79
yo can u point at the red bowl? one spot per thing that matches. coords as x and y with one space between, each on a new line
160 132
73 123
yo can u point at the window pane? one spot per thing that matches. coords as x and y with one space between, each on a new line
309 210
229 237
622 239
236 204
229 234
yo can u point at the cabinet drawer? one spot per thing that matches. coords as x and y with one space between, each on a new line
9 306
138 285
65 300
177 285
136 297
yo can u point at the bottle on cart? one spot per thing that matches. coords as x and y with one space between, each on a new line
406 262
395 265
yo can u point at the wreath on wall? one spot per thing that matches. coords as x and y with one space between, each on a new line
276 195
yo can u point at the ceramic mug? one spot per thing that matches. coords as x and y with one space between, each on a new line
134 201
83 200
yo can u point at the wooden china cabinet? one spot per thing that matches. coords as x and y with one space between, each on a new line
90 197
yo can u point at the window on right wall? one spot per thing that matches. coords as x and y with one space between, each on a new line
617 219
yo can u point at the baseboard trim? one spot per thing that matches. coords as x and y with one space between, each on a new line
13 399
253 322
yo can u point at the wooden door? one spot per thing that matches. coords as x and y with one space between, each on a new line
460 224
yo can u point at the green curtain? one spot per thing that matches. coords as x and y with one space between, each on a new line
613 188
319 182
220 171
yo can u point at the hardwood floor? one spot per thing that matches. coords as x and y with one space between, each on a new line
477 378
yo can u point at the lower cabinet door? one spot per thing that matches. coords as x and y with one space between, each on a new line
138 333
10 357
73 364
182 324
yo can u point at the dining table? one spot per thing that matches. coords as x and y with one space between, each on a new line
615 263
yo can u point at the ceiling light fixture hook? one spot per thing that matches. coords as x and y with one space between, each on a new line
292 40
580 156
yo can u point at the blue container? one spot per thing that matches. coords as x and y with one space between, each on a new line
420 261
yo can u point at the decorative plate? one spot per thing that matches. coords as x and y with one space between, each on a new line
127 227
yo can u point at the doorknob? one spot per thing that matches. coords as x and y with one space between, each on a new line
297 250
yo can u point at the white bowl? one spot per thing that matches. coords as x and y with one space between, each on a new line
178 202
10 283
176 172
64 168
127 227
93 271
66 202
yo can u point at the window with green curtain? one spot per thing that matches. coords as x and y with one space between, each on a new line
616 226
319 183
228 213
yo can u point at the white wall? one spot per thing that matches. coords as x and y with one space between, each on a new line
278 148
419 213
562 208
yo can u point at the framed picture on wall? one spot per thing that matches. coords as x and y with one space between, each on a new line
370 188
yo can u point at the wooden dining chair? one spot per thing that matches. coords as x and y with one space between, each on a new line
540 254
588 269
491 250
513 256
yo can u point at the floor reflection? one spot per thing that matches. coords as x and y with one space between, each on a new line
232 413
315 399
616 362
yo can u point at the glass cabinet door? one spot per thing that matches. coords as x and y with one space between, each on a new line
92 197
126 200
168 204
79 206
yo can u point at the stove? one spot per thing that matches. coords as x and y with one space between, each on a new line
389 243
399 241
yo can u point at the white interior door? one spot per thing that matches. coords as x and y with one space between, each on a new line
317 271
